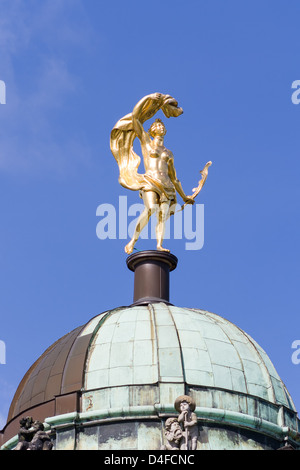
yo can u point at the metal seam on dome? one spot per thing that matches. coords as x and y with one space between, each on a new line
289 398
211 320
68 355
154 341
19 392
226 334
13 411
96 329
207 348
271 388
49 350
153 322
283 387
111 342
201 312
204 312
289 401
257 352
180 348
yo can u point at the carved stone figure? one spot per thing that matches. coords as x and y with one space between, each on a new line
25 434
32 436
173 434
185 405
182 433
159 184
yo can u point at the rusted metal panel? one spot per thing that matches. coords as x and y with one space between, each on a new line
46 372
67 403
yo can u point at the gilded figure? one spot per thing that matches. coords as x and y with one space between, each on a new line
159 184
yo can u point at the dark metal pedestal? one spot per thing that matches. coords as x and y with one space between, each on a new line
151 276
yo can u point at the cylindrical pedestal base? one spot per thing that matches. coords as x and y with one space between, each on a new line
151 276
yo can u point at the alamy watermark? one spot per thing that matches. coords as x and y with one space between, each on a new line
296 94
2 92
2 352
296 353
296 344
119 223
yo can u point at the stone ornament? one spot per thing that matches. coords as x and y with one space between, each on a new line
182 433
32 436
173 434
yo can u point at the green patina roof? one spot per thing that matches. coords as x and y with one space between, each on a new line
147 344
133 362
137 348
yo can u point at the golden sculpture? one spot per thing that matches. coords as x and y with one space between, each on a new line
159 183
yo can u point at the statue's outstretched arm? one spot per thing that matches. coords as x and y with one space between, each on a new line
176 182
140 108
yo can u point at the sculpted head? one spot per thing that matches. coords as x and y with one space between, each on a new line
157 128
184 403
173 430
172 424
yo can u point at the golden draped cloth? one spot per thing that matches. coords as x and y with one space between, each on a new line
121 143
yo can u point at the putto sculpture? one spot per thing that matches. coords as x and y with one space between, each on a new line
159 184
173 434
182 433
32 436
185 405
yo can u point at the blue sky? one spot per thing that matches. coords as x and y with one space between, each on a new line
72 68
